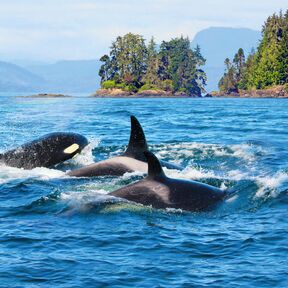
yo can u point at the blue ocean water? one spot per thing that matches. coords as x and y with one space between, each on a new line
58 231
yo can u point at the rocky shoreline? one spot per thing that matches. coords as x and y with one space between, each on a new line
119 93
273 92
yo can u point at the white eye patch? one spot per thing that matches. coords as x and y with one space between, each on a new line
71 149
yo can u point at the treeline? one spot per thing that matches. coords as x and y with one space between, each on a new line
265 67
134 66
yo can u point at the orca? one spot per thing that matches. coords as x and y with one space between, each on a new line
133 159
46 151
159 191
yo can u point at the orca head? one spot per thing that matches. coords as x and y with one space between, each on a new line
62 146
46 151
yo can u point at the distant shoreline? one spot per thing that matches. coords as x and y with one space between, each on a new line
46 95
155 93
279 91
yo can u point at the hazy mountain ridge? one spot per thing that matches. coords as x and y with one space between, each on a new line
14 78
81 76
62 77
70 75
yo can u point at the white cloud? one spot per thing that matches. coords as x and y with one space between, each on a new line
75 29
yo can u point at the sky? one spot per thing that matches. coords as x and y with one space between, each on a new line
51 30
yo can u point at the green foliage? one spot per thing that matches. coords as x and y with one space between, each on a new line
179 63
230 81
109 84
130 88
175 67
127 60
148 87
266 67
104 71
120 85
151 75
166 85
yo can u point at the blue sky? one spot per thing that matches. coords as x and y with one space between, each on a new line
83 29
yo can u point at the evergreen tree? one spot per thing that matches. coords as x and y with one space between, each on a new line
247 77
268 65
151 76
131 65
283 55
228 83
105 69
239 64
127 61
181 64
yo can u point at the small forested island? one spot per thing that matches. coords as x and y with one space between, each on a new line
133 68
265 71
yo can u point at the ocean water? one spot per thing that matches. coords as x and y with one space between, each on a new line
58 231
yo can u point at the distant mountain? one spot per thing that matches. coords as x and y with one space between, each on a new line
218 43
14 78
62 77
81 76
69 76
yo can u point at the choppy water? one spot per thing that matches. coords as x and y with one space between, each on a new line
57 231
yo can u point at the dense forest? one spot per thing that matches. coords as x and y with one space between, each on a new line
267 66
134 66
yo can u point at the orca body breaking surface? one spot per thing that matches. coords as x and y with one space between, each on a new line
47 151
159 191
133 159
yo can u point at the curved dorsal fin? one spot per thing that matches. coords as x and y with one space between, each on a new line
137 143
154 165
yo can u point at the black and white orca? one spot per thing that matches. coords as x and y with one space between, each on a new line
159 191
133 159
47 151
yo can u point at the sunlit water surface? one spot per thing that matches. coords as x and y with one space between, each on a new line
58 231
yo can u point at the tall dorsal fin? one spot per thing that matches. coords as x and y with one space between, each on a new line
154 165
137 143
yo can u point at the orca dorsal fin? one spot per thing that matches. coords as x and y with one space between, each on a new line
154 165
137 143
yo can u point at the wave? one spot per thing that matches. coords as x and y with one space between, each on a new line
8 174
246 151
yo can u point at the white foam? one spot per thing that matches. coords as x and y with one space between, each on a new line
82 201
189 173
270 184
82 196
237 175
86 157
128 175
244 151
10 173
